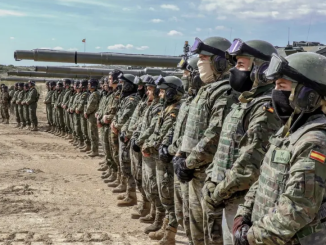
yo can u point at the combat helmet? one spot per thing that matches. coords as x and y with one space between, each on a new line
93 83
128 82
173 88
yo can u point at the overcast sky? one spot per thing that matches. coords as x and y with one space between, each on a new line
151 26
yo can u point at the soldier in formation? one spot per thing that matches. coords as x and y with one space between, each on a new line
234 151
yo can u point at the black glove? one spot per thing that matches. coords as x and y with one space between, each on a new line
122 137
180 169
164 155
240 236
134 146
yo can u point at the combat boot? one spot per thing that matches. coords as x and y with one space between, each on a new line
130 199
17 125
73 139
6 121
149 218
158 235
158 222
122 196
112 178
122 187
58 132
69 137
169 236
93 153
80 144
63 134
141 210
116 182
22 126
48 129
28 127
102 162
34 128
76 143
106 174
86 148
104 167
52 129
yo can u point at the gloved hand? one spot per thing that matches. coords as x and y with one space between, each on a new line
134 146
164 155
240 229
122 136
207 192
180 169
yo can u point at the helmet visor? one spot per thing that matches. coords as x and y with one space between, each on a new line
199 46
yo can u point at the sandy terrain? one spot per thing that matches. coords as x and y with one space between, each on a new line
52 194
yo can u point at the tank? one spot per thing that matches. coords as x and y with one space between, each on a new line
97 58
103 72
25 79
43 74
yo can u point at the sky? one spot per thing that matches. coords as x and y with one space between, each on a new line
151 26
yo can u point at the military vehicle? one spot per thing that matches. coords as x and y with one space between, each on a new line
43 74
97 58
25 79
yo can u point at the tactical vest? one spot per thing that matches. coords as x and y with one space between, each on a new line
199 114
180 125
273 179
138 113
233 129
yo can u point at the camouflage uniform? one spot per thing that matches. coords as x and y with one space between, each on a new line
5 104
90 110
164 172
76 117
235 167
146 128
13 102
48 106
26 109
99 114
54 109
181 190
59 111
127 107
82 103
11 95
206 115
287 203
31 100
20 98
71 114
66 117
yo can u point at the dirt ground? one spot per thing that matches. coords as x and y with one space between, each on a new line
50 193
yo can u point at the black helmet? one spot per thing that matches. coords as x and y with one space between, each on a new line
93 83
83 83
53 84
101 81
16 84
26 85
128 82
66 81
173 87
21 85
60 84
31 82
5 88
115 75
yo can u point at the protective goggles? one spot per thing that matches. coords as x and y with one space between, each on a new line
238 47
144 80
121 77
279 67
160 81
199 46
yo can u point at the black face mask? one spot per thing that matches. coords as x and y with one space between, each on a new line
281 104
240 80
141 92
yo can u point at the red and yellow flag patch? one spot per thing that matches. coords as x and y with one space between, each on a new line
315 155
269 109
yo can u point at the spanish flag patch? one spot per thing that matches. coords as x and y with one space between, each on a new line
269 109
315 155
173 115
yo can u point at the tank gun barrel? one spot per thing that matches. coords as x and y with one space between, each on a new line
24 79
43 74
97 58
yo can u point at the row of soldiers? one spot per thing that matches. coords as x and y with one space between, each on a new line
21 100
235 151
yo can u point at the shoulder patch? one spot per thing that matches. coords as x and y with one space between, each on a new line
315 155
267 107
131 98
173 115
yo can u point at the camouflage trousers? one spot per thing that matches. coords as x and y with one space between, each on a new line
16 109
84 129
125 165
21 115
136 170
77 127
26 115
54 116
72 123
59 116
149 182
67 123
181 203
32 114
105 133
49 114
114 147
93 132
5 111
12 109
165 183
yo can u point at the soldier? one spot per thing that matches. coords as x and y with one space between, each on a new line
2 116
128 102
31 101
26 106
20 98
65 100
11 95
244 137
80 108
89 113
54 97
70 115
109 111
5 103
60 110
205 118
287 203
13 102
50 85
78 139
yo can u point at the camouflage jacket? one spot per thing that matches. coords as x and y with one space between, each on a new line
102 105
127 107
20 96
71 101
243 144
92 103
82 102
11 93
5 99
165 121
287 203
111 107
73 106
54 98
48 97
148 121
32 96
15 97
205 119
66 97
